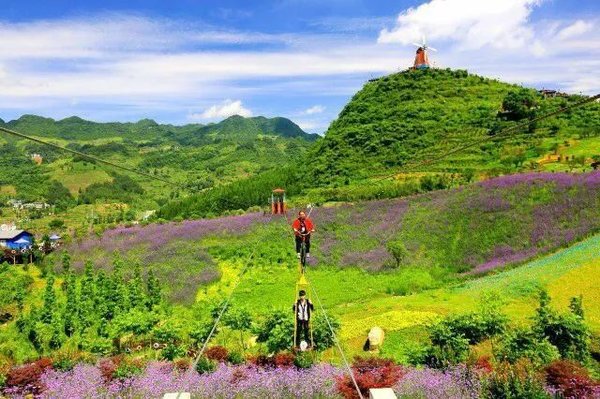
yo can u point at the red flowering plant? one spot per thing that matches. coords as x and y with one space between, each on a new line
217 353
26 379
369 373
571 380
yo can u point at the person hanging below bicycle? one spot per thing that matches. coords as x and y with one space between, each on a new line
303 227
303 309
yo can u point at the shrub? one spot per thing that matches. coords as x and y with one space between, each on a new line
484 364
514 381
567 332
108 366
182 364
284 360
129 368
304 360
525 344
571 379
172 351
369 373
26 379
262 361
217 353
475 327
205 365
236 357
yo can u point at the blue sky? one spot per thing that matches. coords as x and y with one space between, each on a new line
200 61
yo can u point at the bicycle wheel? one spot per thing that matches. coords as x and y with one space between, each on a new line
303 256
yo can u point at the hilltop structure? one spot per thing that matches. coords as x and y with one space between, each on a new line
421 58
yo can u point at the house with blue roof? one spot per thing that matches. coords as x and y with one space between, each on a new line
15 239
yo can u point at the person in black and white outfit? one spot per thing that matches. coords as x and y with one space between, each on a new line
303 309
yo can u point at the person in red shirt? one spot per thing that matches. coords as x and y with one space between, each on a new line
303 226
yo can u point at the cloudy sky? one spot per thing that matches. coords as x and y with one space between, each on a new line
197 61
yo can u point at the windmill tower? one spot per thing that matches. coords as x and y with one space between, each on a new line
421 58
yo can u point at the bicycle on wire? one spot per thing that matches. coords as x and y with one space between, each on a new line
303 252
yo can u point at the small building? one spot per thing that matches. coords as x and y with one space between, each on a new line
15 239
36 205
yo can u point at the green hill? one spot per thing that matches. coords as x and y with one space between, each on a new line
194 156
413 114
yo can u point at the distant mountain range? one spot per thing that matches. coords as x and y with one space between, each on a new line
75 128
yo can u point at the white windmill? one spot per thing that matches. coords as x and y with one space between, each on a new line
421 59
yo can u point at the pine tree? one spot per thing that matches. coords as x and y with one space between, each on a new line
66 263
58 337
136 288
71 312
153 290
20 299
49 301
576 306
120 288
87 295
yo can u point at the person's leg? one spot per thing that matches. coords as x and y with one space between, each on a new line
298 329
298 243
306 332
307 240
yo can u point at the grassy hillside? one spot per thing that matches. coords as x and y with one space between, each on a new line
364 276
412 114
416 242
402 119
195 156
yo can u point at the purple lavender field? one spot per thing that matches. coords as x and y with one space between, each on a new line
87 381
473 229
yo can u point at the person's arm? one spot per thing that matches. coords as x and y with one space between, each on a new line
310 304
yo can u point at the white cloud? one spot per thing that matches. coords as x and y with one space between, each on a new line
226 109
471 23
316 109
577 28
130 64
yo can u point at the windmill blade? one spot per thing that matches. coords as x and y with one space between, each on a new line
431 48
417 44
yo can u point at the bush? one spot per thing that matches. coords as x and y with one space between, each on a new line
514 381
26 379
369 373
304 360
129 368
182 364
172 351
262 361
567 332
217 353
109 366
571 379
205 365
236 358
525 344
284 360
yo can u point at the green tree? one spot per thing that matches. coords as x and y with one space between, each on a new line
87 297
71 311
49 308
136 288
153 289
66 263
519 104
567 332
121 293
239 319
